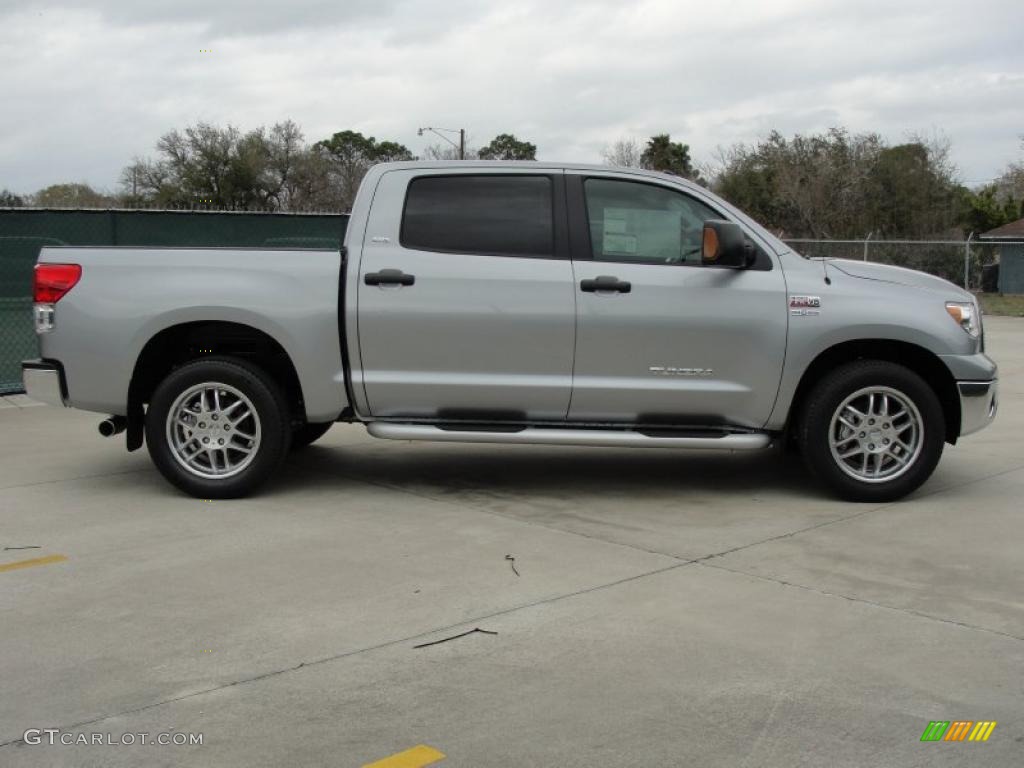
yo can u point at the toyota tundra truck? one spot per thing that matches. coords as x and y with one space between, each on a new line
526 303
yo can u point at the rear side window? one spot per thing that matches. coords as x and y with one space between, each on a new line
490 215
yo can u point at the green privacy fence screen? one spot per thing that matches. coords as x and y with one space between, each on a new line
23 231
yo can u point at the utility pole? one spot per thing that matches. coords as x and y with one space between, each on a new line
461 146
967 262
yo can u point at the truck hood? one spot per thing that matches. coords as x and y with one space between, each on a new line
887 273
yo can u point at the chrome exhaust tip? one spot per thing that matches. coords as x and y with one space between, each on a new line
113 425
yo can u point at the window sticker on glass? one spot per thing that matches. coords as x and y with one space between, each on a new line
655 234
616 243
616 236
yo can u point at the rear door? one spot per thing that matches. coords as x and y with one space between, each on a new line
466 306
660 337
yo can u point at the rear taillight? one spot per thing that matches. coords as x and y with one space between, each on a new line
52 281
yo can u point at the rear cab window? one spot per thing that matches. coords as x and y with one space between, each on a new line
490 215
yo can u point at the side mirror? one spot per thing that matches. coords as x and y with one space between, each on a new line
725 245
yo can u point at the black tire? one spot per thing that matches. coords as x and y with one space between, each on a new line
308 434
271 418
816 425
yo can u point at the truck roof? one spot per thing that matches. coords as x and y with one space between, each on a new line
540 165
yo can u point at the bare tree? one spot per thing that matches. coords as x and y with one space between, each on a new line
624 153
441 151
202 165
839 184
145 182
1010 184
284 147
72 195
201 158
352 154
314 184
1009 187
10 200
264 169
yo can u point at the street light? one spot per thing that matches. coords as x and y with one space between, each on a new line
461 146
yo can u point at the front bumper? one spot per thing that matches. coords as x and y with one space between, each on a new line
978 404
44 381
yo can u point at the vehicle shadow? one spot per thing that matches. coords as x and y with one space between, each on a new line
516 470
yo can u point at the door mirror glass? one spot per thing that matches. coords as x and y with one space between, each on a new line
725 245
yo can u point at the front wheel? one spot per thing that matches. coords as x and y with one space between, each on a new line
217 428
872 430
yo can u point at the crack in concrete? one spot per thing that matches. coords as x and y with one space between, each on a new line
703 560
853 516
683 559
72 479
367 649
513 518
862 600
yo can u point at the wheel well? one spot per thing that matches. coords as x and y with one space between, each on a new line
918 359
180 344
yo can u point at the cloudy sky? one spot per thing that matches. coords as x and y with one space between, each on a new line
88 85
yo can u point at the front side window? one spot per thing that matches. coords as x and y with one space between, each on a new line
490 215
644 223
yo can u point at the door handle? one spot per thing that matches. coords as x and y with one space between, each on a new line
389 277
605 283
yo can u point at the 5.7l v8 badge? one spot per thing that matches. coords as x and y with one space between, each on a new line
804 305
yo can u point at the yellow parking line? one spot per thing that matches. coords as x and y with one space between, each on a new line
34 561
417 757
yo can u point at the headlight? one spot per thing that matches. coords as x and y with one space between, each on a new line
966 316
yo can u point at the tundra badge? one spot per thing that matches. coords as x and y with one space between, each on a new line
671 370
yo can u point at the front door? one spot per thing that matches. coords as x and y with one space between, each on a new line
662 339
466 306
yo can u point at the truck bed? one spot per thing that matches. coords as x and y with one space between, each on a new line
126 296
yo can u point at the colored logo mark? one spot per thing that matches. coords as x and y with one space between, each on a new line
958 730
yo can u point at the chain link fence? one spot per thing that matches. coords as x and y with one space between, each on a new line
23 231
972 264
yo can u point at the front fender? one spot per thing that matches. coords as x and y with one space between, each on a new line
857 310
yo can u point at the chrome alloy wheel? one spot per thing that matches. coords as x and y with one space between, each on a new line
213 430
876 434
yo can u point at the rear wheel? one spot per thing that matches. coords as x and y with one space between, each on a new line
217 428
872 430
308 434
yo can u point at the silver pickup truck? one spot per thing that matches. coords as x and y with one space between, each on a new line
516 303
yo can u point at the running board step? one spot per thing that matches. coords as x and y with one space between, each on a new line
609 438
